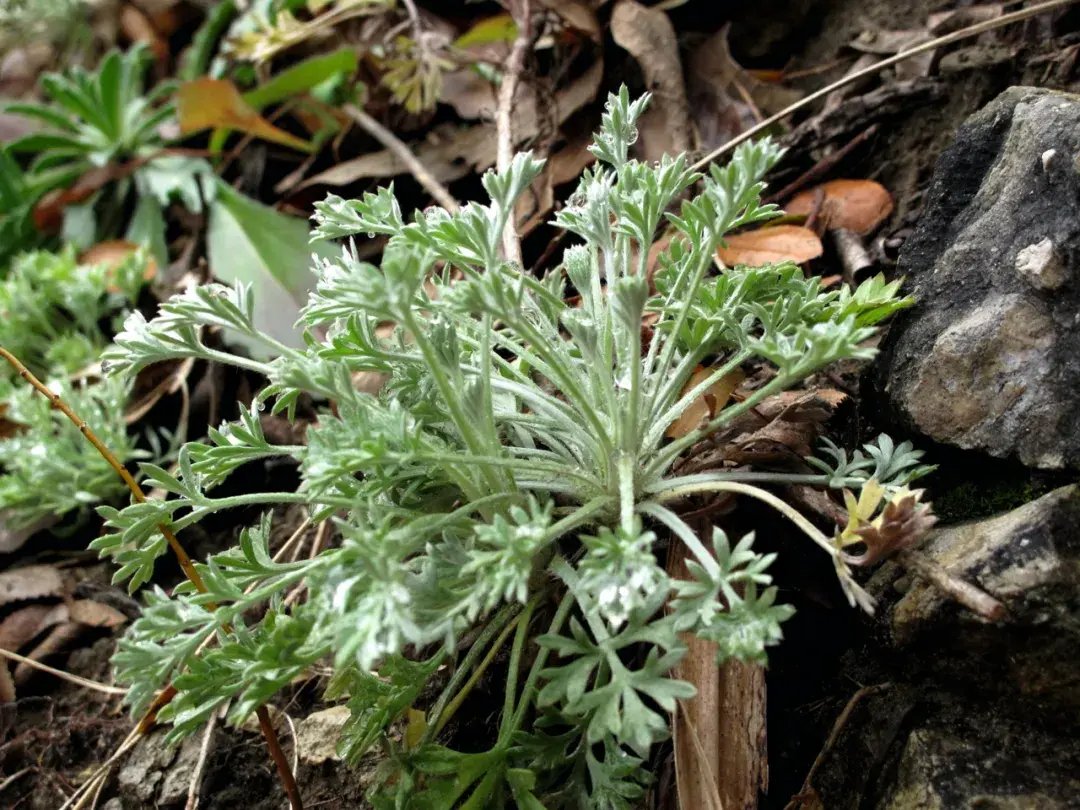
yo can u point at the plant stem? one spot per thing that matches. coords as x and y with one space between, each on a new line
515 660
498 621
182 556
477 674
788 511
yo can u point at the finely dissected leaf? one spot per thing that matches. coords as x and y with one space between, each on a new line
519 451
212 103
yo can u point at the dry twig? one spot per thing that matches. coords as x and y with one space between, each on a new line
948 39
59 673
392 142
137 493
515 63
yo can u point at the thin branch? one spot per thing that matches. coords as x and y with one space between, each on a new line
392 142
9 781
970 596
137 493
59 673
515 63
192 802
948 39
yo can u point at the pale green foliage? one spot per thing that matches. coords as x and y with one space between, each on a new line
49 469
502 464
52 308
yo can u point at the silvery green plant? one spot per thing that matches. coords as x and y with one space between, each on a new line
506 488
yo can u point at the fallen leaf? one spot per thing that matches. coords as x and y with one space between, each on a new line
7 427
138 28
576 15
95 614
725 98
648 35
902 522
941 23
247 241
208 103
59 637
12 539
859 206
708 404
781 243
7 685
27 623
30 582
113 253
883 43
499 30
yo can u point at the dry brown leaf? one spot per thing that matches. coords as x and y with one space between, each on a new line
576 15
95 614
138 28
216 103
708 404
27 623
451 153
31 582
859 206
648 35
902 522
725 98
7 685
114 252
59 637
568 163
941 23
781 243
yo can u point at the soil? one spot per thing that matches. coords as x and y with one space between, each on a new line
60 731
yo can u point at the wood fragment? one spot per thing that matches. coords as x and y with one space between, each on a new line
726 719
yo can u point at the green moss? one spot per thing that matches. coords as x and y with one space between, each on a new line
972 500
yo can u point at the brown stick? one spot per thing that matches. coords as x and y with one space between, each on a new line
973 598
948 39
392 142
722 728
822 167
185 561
515 63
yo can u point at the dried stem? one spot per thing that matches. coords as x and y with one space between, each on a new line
392 142
970 596
515 63
948 39
200 765
185 563
59 673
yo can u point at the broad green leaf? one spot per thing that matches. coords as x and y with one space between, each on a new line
251 243
302 77
147 228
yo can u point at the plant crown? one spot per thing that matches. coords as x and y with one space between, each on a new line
515 458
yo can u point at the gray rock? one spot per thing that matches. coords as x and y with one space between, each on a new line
174 787
145 769
962 713
1029 559
989 358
